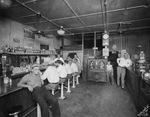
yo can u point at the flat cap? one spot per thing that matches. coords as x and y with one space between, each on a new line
35 65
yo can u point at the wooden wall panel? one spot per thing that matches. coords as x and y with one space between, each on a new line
130 43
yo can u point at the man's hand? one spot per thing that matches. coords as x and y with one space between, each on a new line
30 88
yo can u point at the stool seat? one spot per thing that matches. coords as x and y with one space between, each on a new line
69 76
14 110
52 86
62 80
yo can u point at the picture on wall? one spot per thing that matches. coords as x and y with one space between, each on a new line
29 38
28 34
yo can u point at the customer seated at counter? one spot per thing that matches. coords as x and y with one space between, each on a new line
68 67
44 98
51 74
61 69
123 62
74 67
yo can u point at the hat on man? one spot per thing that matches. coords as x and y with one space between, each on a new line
35 65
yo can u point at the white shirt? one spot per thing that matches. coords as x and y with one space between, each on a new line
74 67
122 62
51 74
77 59
62 71
109 67
59 59
128 62
68 68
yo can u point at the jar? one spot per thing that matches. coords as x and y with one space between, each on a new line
142 55
6 80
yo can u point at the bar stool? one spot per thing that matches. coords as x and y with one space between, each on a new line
68 88
38 110
15 110
73 80
77 78
62 80
52 86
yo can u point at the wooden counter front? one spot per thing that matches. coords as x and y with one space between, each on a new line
138 89
132 83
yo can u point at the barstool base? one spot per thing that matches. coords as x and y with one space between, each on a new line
62 98
68 91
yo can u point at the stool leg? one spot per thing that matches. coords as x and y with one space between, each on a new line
62 91
73 82
68 88
53 91
77 79
38 110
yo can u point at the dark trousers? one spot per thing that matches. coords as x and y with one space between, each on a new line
46 99
114 64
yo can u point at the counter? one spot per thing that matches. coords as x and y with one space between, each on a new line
6 89
11 95
138 89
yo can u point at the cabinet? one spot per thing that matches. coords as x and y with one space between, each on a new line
139 89
19 59
96 70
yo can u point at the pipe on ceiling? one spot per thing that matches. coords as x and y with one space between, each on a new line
91 14
28 2
76 14
38 13
111 11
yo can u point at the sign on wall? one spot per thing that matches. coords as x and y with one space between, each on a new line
29 38
28 34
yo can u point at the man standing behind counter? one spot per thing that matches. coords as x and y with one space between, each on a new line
123 62
45 99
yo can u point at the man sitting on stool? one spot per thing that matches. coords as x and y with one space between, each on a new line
44 98
62 75
52 76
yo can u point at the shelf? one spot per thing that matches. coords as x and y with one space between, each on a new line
39 54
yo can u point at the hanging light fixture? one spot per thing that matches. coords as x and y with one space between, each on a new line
105 34
61 31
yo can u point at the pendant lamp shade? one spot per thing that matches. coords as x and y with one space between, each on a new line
61 31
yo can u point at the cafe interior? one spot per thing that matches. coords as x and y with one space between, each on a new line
37 30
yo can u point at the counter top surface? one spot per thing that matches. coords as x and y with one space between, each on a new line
6 89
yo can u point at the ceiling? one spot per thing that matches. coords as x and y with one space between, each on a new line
82 16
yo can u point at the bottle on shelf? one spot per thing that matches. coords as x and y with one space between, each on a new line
6 79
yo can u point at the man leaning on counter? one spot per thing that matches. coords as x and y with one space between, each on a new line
34 83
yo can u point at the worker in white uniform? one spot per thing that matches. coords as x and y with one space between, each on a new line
58 58
123 63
